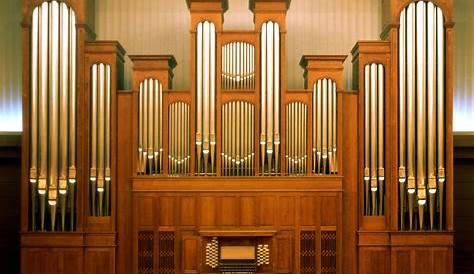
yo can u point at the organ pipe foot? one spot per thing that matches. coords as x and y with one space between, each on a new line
72 186
62 199
269 156
42 199
262 158
411 204
381 199
401 193
93 199
198 156
441 203
206 160
276 156
52 211
101 200
367 199
318 167
107 197
421 212
374 202
432 196
33 205
212 158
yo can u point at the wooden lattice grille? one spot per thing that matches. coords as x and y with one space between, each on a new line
145 252
328 252
308 252
166 252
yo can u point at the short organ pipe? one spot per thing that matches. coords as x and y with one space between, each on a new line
374 175
150 127
324 99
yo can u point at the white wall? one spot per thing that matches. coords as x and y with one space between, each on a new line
162 27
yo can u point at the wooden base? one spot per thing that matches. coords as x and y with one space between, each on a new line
385 252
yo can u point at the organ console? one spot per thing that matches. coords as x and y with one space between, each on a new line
238 173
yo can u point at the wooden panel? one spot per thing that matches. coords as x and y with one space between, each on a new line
328 217
423 263
284 256
247 211
401 261
374 260
52 260
307 210
188 211
144 211
207 210
286 210
267 210
228 211
100 261
442 261
166 209
190 254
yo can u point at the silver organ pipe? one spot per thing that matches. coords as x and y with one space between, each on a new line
296 137
421 116
270 93
374 170
178 147
100 175
237 153
52 116
237 66
325 126
206 96
150 127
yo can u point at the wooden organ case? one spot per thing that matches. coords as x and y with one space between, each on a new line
238 174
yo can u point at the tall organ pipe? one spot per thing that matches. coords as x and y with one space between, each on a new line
205 94
325 127
100 174
270 93
374 175
421 104
52 115
150 127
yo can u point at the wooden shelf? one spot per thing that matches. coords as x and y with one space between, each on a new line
237 233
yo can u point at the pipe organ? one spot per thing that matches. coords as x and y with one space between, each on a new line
421 116
374 172
100 140
150 127
178 129
238 156
296 127
325 127
53 110
238 72
238 172
206 98
269 98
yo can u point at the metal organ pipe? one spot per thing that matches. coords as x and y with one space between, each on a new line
421 74
178 147
374 171
150 127
325 126
296 137
237 66
237 138
205 93
270 92
100 175
52 115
